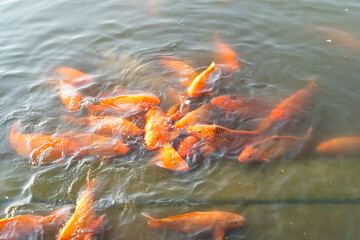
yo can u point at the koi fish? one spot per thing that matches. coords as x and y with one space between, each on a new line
132 102
167 157
197 222
181 68
76 227
70 96
344 146
22 226
246 106
157 130
72 76
200 115
97 145
226 57
274 147
94 227
294 104
42 148
214 137
199 86
107 125
189 147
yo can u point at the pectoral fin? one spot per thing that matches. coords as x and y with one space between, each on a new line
219 234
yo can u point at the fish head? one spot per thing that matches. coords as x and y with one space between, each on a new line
121 149
226 102
235 221
249 154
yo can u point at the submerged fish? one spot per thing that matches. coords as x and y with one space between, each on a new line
189 147
157 130
181 68
199 115
196 222
272 148
226 57
70 96
343 146
23 226
94 227
200 85
42 148
167 157
72 76
132 102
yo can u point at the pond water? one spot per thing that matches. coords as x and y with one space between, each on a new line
119 43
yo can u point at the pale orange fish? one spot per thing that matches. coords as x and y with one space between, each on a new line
77 226
132 102
217 137
197 222
343 146
157 130
272 148
294 104
245 106
200 85
167 157
94 227
97 145
22 226
70 96
72 76
181 68
189 147
226 57
42 148
107 125
199 115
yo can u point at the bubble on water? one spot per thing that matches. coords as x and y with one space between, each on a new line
187 102
282 170
240 183
329 40
6 197
181 22
346 9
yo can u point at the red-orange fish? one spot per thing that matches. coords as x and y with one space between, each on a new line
70 96
199 115
72 76
107 125
226 57
217 137
291 106
94 227
200 85
97 145
181 68
157 130
272 148
197 222
167 157
189 147
245 106
132 102
42 148
77 226
343 146
22 226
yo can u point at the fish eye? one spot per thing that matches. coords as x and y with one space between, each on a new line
199 131
250 156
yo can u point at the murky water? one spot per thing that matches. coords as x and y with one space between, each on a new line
119 43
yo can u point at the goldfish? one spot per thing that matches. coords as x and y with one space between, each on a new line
246 106
343 146
97 145
95 226
77 226
157 130
189 147
177 111
22 226
70 96
274 147
42 148
132 102
197 222
72 76
294 104
217 137
167 157
226 57
199 115
200 85
183 69
107 125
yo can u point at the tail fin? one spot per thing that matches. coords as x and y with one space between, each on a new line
308 133
154 223
59 216
312 83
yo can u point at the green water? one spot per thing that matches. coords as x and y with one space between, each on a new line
119 43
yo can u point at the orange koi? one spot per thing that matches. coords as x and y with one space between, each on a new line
94 227
76 227
226 57
200 115
343 146
42 148
157 130
199 86
167 157
274 147
132 102
189 147
97 145
197 222
214 137
70 96
107 125
72 76
291 106
181 68
21 226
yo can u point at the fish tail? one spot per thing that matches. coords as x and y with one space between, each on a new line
154 223
308 133
312 83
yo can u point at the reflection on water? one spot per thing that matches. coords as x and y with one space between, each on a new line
280 46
